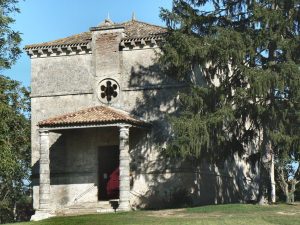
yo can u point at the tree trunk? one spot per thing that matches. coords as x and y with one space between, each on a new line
294 182
261 195
266 175
283 184
273 183
287 198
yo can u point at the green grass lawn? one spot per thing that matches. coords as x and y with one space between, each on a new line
217 214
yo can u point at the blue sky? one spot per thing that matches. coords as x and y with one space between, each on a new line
46 20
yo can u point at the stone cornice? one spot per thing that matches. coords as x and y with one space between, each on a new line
59 50
127 43
141 42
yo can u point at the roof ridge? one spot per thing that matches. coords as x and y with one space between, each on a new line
138 21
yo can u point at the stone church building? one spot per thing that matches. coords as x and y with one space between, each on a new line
99 128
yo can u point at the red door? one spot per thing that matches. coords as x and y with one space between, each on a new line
112 187
108 172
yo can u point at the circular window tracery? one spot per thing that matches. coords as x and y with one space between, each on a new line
109 90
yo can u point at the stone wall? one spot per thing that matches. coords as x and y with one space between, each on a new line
63 75
56 90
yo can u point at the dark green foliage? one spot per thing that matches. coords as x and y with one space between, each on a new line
14 120
14 145
241 60
9 39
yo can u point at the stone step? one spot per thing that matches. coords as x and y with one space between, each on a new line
76 211
105 210
104 204
83 211
89 208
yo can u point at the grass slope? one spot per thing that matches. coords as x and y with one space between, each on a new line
218 214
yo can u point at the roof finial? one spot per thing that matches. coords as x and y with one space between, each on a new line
107 22
133 16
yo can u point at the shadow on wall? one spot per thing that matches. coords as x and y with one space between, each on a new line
171 183
72 157
159 181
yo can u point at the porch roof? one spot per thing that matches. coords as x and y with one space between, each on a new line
94 116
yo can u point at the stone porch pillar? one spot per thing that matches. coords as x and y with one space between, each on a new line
124 169
44 189
44 192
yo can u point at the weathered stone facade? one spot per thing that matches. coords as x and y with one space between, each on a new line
70 75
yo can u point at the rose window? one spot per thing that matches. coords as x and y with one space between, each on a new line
109 89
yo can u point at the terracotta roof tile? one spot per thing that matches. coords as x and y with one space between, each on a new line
137 29
94 115
133 29
82 38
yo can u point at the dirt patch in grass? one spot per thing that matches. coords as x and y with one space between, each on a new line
180 213
288 213
168 213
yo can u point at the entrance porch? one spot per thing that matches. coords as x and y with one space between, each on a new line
102 135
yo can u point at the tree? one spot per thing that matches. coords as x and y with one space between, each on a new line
288 171
241 62
14 120
14 145
288 178
9 39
